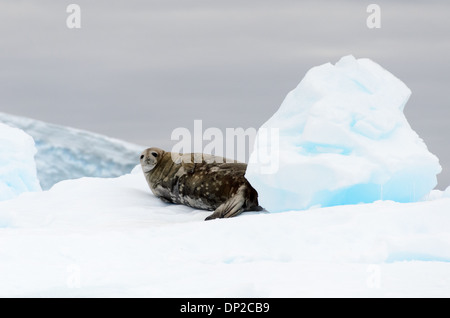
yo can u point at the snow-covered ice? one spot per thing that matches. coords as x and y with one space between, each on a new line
17 167
343 139
68 153
110 237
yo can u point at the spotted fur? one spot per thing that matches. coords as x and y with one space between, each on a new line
200 181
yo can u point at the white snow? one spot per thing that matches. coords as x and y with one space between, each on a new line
67 153
343 139
110 237
17 167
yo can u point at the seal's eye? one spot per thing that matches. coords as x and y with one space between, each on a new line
142 157
154 154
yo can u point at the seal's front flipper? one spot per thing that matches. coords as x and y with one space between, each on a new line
230 208
165 200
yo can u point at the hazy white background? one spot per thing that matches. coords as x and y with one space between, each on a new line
136 70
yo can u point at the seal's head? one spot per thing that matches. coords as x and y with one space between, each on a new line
150 158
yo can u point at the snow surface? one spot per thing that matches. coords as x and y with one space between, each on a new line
17 167
110 237
343 139
67 153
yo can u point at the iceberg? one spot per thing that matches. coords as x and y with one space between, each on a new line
68 153
343 139
17 166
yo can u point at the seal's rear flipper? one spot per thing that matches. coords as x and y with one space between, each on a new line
231 207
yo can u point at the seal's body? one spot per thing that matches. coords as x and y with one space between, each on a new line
200 181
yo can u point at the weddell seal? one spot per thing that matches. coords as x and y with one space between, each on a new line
200 181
